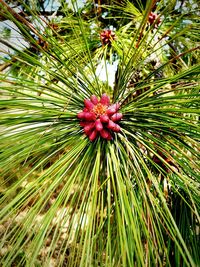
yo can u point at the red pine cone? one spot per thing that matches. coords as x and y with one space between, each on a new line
99 118
154 17
107 36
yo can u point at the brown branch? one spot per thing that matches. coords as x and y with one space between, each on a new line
5 65
41 13
184 53
7 9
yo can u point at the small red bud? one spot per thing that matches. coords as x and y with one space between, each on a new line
111 125
104 133
116 117
88 128
117 106
113 109
117 128
89 116
104 118
94 99
81 115
93 135
98 125
83 123
105 100
109 137
110 111
88 104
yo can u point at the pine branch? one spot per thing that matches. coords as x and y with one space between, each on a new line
6 9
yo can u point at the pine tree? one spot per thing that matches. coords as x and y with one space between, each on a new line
100 136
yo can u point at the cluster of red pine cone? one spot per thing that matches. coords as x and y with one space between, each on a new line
99 117
152 18
107 36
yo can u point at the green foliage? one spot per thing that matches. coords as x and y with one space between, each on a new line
131 201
